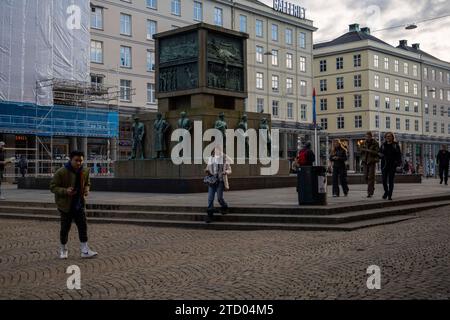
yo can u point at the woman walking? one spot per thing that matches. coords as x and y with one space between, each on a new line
217 170
391 158
338 156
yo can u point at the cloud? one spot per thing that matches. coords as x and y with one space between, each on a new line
333 17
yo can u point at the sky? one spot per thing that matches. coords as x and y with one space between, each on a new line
332 17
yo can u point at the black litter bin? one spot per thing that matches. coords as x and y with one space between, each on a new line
312 185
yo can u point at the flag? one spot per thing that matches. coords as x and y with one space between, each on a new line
314 108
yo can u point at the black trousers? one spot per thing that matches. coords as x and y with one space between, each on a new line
443 173
340 176
66 222
388 175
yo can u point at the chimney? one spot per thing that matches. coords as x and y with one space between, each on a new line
353 27
416 46
403 43
366 30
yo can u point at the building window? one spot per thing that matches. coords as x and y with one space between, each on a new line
151 4
441 79
302 64
323 85
339 63
442 111
448 95
357 101
303 112
289 38
96 51
125 24
358 121
386 84
259 28
377 121
340 123
357 60
324 105
406 87
259 105
388 122
259 54
441 94
275 57
274 32
125 90
377 81
242 23
425 91
125 57
416 125
302 40
151 29
275 108
303 88
259 80
416 107
442 128
415 89
397 104
97 18
397 124
289 60
97 80
427 109
405 68
377 101
339 103
218 17
323 65
433 74
375 61
357 81
340 83
289 86
386 63
176 7
427 126
396 85
434 127
387 102
198 11
406 105
150 61
433 93
425 73
290 113
151 99
324 123
275 83
415 73
434 110
396 65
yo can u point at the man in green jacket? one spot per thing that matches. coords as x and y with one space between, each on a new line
71 184
370 156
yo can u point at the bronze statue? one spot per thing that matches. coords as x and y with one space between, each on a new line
222 126
264 125
138 136
160 129
243 125
184 123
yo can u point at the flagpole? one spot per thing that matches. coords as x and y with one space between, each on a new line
316 147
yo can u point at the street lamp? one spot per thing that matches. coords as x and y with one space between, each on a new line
411 26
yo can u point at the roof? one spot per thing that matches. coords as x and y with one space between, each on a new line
352 36
414 50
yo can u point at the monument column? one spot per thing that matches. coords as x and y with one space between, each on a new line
351 154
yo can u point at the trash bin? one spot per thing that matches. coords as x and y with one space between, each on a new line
312 185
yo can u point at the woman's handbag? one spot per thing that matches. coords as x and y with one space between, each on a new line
210 180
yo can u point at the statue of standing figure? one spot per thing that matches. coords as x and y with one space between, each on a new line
264 125
160 129
243 125
222 126
138 136
186 124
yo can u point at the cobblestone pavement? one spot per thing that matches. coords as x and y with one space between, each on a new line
138 262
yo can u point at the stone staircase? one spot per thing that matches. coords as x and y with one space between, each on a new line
339 218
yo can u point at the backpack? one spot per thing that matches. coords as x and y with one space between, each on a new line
302 158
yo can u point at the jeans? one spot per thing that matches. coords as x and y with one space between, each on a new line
66 222
369 176
388 180
212 190
443 173
339 176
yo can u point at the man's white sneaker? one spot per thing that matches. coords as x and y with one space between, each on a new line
88 254
63 252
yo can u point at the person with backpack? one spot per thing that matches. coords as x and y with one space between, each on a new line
391 158
338 156
443 160
305 157
370 157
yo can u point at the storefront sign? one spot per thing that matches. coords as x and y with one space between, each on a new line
289 8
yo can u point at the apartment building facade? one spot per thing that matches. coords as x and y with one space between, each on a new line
365 84
279 56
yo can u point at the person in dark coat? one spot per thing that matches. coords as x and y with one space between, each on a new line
443 160
391 158
338 156
23 166
305 157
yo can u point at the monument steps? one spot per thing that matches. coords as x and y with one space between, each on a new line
232 221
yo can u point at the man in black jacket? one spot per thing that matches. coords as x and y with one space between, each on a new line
443 160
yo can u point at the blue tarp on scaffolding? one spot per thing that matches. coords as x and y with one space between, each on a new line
27 118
